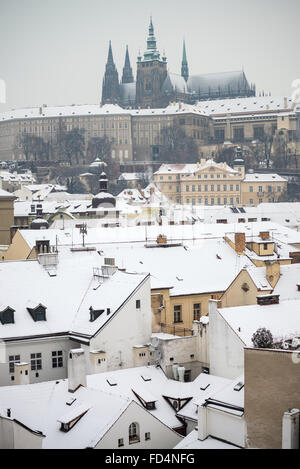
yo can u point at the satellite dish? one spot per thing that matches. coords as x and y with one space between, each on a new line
154 342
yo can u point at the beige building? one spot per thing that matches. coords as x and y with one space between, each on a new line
272 388
6 216
137 134
211 183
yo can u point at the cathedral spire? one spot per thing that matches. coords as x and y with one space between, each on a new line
127 70
184 64
110 59
110 87
151 41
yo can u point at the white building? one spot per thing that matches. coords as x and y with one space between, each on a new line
56 303
231 329
68 414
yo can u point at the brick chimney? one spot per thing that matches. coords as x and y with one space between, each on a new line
239 242
264 235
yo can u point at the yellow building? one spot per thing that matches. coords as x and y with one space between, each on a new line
211 183
6 216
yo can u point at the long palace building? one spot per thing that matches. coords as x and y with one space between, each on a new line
136 134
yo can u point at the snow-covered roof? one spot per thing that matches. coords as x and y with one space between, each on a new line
4 194
65 111
191 168
255 104
191 441
174 82
174 233
74 291
281 319
43 406
261 177
196 267
218 82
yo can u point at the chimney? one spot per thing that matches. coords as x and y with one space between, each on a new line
181 371
8 413
21 373
272 272
161 239
285 102
239 242
264 300
41 110
290 429
202 423
264 235
76 369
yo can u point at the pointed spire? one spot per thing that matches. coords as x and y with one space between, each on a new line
110 87
127 70
151 41
110 59
184 64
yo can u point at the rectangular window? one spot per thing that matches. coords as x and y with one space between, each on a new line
251 189
265 246
199 188
278 189
260 189
187 188
212 188
212 201
57 359
147 436
193 188
237 187
138 304
177 313
120 442
225 187
197 311
231 187
12 360
36 361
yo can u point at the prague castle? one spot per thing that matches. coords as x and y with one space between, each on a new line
156 87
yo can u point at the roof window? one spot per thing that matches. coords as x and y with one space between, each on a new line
7 315
38 313
95 313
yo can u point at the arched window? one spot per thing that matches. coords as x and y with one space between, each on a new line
134 432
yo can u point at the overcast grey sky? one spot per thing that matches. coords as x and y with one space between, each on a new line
54 51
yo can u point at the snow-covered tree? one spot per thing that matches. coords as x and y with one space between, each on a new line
262 338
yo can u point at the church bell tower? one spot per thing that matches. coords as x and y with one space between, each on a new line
151 74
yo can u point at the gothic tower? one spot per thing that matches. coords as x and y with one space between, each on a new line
127 70
110 85
184 65
151 74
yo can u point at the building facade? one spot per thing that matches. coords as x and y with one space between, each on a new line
210 183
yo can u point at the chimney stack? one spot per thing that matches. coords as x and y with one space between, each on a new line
21 373
239 242
290 429
76 369
264 235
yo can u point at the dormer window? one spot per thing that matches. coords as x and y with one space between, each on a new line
38 313
95 313
69 420
145 397
7 315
